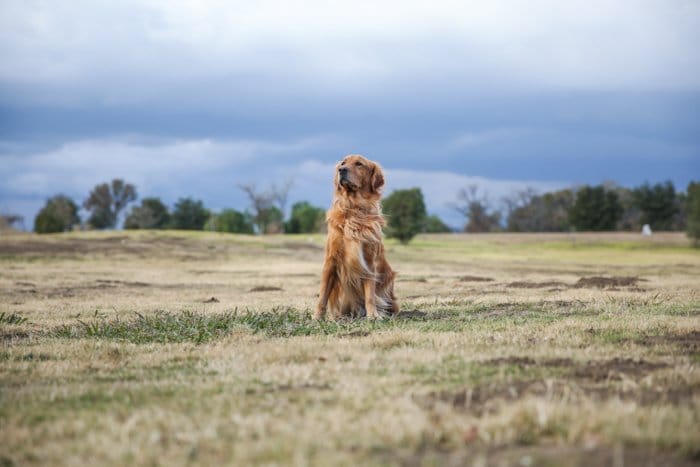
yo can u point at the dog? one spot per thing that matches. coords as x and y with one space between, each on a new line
356 280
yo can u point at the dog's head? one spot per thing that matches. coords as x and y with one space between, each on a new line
357 175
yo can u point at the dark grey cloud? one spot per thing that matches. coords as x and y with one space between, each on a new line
189 98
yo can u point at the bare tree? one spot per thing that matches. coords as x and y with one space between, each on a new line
106 202
268 206
531 212
476 209
517 199
281 194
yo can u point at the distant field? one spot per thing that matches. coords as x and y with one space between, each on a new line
173 348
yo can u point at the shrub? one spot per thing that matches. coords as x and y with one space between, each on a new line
189 214
433 224
232 221
60 214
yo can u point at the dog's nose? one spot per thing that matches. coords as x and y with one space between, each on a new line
343 170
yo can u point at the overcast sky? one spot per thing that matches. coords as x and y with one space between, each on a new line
189 98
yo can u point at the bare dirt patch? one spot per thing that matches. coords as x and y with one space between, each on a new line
475 279
615 368
68 291
602 282
111 282
357 333
687 343
596 370
289 387
527 361
266 288
11 335
489 398
422 280
593 379
596 282
536 285
592 370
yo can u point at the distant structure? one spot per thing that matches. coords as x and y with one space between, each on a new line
646 230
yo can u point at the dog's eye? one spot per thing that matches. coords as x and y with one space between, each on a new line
358 164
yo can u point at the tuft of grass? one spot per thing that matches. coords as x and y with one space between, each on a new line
12 318
161 327
188 326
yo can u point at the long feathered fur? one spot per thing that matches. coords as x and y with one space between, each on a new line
356 279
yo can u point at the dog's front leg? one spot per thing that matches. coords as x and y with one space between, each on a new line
370 289
329 279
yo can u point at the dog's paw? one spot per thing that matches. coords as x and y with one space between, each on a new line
319 313
378 316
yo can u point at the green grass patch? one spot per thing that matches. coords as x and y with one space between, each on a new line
189 326
161 327
11 318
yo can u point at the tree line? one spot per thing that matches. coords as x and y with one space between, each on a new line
604 207
107 201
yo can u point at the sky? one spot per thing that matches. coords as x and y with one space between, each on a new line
191 98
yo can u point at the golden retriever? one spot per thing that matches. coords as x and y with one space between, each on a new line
356 280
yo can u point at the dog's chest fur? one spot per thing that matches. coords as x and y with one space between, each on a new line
355 239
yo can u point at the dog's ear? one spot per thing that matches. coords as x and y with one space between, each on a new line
377 179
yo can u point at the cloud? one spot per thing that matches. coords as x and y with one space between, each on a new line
217 92
471 139
209 170
139 52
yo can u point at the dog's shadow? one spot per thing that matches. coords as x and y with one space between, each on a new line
413 315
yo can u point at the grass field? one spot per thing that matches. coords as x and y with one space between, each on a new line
176 348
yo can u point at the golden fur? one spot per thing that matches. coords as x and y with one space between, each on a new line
356 279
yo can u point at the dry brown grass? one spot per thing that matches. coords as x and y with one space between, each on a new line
503 356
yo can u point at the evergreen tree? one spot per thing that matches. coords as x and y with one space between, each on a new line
693 207
595 209
658 204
